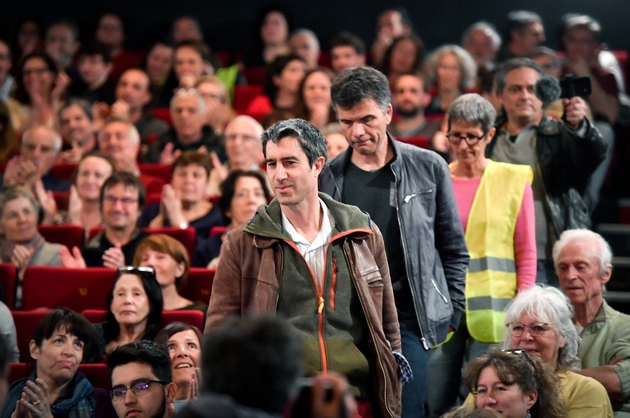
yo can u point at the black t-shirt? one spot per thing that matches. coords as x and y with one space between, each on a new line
375 193
93 255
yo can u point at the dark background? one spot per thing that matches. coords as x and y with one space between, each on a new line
229 24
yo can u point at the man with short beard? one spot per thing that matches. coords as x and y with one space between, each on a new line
142 382
76 125
411 96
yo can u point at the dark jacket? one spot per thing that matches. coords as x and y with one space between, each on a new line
209 139
248 282
566 161
436 256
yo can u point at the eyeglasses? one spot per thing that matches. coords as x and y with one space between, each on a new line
38 71
124 200
139 388
521 353
516 329
456 138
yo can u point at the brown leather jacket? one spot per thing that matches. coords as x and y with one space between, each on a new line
248 277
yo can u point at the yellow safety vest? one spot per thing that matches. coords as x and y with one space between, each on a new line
491 277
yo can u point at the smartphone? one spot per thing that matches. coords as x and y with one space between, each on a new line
575 86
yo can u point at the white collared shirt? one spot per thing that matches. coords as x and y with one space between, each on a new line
313 252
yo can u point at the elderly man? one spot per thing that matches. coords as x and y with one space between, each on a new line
189 132
582 260
408 192
39 151
132 97
119 139
329 258
483 43
304 44
243 149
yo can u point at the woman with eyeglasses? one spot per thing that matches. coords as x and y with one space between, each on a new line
134 309
514 385
539 321
496 207
62 340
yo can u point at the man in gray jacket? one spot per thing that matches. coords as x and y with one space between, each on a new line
408 193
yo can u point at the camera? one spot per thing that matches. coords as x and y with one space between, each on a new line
572 86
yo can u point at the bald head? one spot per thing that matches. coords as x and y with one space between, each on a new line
41 145
243 145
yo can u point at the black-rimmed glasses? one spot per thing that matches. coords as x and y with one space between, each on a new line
456 138
139 388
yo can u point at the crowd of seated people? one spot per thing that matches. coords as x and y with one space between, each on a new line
135 148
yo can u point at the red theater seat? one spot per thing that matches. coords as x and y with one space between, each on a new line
164 172
186 236
419 141
8 280
255 75
95 316
68 235
25 324
78 289
163 113
218 230
61 199
18 371
243 95
199 284
63 170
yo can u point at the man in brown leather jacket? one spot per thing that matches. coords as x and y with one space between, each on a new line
319 263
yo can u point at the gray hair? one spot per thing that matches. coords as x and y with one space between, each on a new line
488 29
304 31
599 248
16 192
134 136
332 128
474 109
518 20
515 64
82 104
57 143
356 84
467 65
182 93
549 305
312 141
256 126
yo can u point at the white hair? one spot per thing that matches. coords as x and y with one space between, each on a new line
134 136
601 250
257 127
181 93
57 142
308 32
488 29
548 305
467 65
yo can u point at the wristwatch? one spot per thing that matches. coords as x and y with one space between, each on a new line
184 225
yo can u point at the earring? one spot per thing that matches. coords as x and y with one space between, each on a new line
528 414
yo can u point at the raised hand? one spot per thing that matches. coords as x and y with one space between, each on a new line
71 260
47 202
114 257
169 154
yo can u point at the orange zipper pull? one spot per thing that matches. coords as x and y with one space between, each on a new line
320 308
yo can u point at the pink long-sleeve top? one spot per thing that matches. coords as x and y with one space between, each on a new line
524 233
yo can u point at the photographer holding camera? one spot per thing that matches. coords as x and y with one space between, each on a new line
563 154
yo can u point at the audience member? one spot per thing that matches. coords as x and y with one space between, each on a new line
487 86
270 249
77 128
171 262
9 142
583 263
272 38
346 51
189 132
121 197
313 102
390 25
515 385
335 140
39 89
38 152
483 43
142 383
132 100
304 44
94 65
452 71
404 55
9 352
192 59
218 104
111 32
494 231
119 139
84 208
410 98
243 148
159 68
524 32
282 85
7 81
28 37
379 175
134 310
61 44
184 347
525 135
186 28
242 192
538 321
62 340
183 203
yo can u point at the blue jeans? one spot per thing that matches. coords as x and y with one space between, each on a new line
414 392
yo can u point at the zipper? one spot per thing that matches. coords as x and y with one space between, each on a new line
439 291
334 283
404 246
